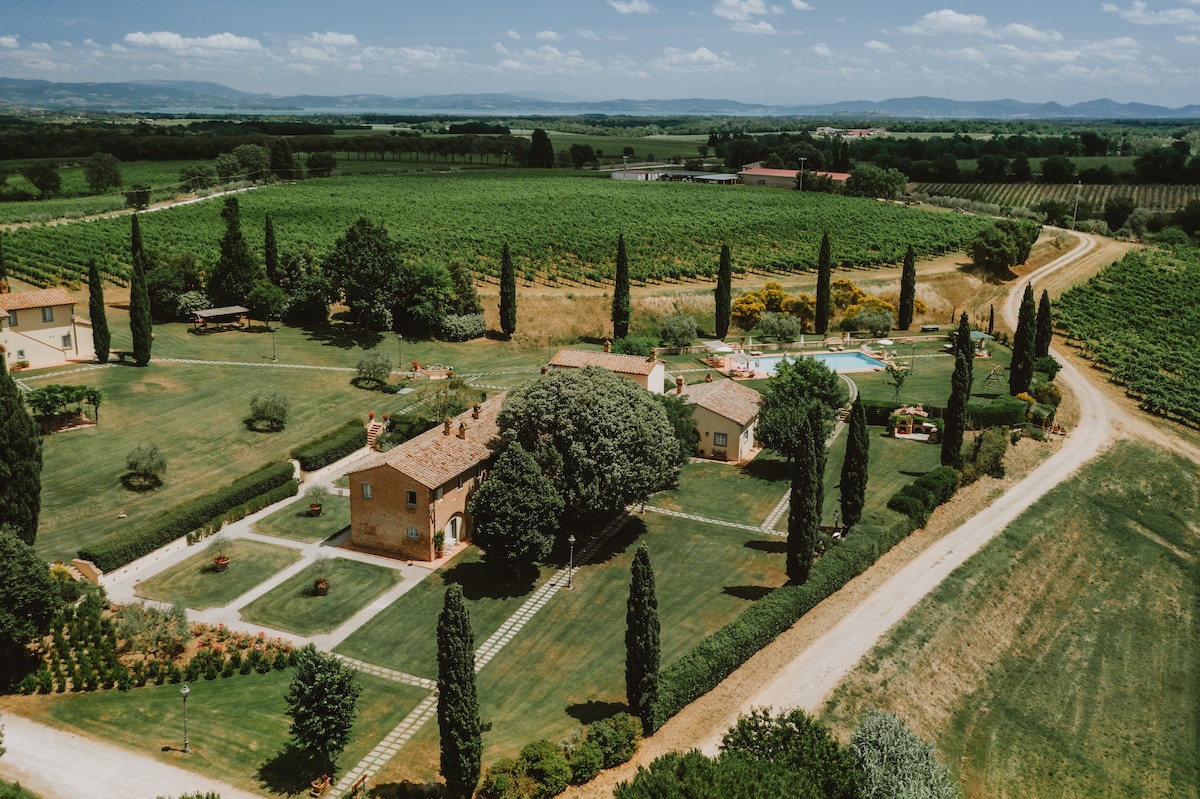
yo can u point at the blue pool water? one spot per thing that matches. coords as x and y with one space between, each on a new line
837 361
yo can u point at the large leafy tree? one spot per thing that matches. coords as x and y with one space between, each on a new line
724 292
541 150
20 461
466 297
797 384
236 270
804 513
603 441
956 413
101 339
460 728
508 294
102 171
515 511
796 740
365 268
824 278
44 176
908 290
854 467
621 306
1044 327
642 641
682 416
141 321
28 598
283 161
1020 372
322 702
993 249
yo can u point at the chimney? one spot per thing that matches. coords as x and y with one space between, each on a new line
446 427
679 385
545 369
462 430
607 345
475 411
653 356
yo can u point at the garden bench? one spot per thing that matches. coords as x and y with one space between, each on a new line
319 785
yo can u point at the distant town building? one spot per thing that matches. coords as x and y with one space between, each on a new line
851 133
783 178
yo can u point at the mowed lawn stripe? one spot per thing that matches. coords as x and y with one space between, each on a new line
201 586
294 607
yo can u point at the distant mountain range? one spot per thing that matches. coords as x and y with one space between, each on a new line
183 96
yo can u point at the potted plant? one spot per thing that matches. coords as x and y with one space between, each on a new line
439 544
316 496
319 569
219 550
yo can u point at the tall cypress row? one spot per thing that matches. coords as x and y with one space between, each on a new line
908 290
854 467
508 294
1044 328
956 414
642 641
824 278
803 516
20 461
271 252
236 270
1020 372
724 292
141 326
101 340
621 303
460 729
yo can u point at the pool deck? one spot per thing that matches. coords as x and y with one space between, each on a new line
731 367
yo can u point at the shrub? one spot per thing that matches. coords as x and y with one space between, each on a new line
1048 394
634 345
781 327
908 505
546 765
506 779
617 737
988 458
585 759
942 482
345 440
462 328
677 330
1004 410
1048 366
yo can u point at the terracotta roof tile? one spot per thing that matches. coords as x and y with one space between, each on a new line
725 398
39 298
621 364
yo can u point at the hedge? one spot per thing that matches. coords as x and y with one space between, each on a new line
127 546
343 441
718 655
462 328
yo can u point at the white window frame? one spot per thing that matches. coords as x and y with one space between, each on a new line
47 314
720 439
366 491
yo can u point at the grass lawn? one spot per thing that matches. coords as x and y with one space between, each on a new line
237 727
704 576
728 492
1064 654
293 521
202 586
293 607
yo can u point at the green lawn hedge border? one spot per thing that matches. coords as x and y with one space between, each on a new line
127 546
718 655
333 446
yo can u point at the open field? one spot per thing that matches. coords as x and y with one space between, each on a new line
197 582
1064 654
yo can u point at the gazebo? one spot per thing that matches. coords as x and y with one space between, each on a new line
230 317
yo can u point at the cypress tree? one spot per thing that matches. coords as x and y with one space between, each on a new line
141 325
1044 333
991 320
642 641
458 705
816 426
20 461
854 467
620 303
101 340
271 253
824 277
964 345
3 268
508 294
956 414
908 290
724 292
1021 370
236 271
803 516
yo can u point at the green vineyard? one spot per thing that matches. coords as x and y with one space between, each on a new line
1027 195
562 230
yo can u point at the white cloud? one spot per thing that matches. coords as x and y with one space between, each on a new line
165 40
740 10
584 33
946 21
878 46
513 35
800 5
762 26
41 47
631 6
699 60
1188 39
821 50
547 36
1033 34
9 42
331 39
547 59
1138 14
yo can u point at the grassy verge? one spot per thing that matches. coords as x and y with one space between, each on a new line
728 492
201 586
1065 652
292 606
293 521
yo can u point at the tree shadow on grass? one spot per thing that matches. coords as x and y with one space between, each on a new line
768 468
133 482
774 547
908 473
621 541
290 771
480 580
587 712
344 336
752 593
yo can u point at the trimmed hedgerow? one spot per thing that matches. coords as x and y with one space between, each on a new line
718 655
348 438
127 546
919 498
462 328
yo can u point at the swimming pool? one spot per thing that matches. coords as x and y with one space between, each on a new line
837 361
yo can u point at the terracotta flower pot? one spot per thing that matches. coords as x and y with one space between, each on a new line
314 509
321 587
221 563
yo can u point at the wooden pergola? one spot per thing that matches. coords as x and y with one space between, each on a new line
226 318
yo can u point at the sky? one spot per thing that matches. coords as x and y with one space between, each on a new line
777 52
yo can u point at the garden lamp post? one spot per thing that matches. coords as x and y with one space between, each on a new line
272 329
399 353
571 560
912 359
802 160
626 165
184 691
